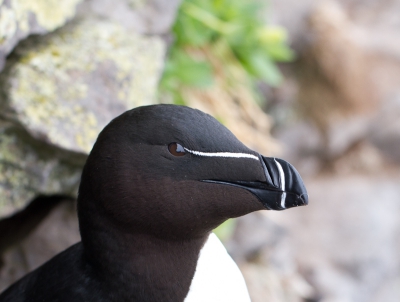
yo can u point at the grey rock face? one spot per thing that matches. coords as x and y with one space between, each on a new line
29 167
20 18
142 16
348 81
348 71
351 249
57 92
65 87
385 130
266 257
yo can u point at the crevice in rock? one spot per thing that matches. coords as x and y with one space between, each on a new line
18 226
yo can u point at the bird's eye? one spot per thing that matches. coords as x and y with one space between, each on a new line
176 149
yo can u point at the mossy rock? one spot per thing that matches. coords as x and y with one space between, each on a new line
65 87
20 18
29 167
57 92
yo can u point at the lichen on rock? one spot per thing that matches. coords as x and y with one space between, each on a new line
57 92
29 168
20 18
67 86
50 14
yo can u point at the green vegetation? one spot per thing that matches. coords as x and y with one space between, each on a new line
228 31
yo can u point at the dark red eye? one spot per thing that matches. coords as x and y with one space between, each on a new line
176 149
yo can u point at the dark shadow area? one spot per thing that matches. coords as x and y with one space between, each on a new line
17 227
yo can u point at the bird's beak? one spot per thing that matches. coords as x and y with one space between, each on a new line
282 189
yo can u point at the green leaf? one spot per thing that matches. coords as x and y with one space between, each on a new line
182 69
272 34
194 73
280 53
191 32
262 67
208 19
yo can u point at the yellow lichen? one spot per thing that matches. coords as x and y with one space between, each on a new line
64 88
24 173
58 83
50 14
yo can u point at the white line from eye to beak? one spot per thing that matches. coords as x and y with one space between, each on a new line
282 177
222 154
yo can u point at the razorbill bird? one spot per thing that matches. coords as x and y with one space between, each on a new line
158 180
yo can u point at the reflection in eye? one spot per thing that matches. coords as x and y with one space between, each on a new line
176 149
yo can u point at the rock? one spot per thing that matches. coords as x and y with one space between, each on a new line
334 77
362 157
380 17
385 130
349 247
348 69
253 233
58 92
29 167
265 283
265 255
142 16
20 18
293 19
65 87
347 72
57 232
303 145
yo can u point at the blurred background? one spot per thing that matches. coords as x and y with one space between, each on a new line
314 82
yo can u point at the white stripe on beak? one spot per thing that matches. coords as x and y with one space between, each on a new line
282 178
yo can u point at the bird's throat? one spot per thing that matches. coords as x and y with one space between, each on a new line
134 265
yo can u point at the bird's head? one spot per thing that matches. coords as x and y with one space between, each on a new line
173 171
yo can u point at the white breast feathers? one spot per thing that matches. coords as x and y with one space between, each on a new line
217 277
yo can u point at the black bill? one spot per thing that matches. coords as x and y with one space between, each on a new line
282 189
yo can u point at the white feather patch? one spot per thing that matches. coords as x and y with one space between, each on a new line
222 154
217 277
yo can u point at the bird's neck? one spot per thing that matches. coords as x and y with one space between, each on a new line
139 267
